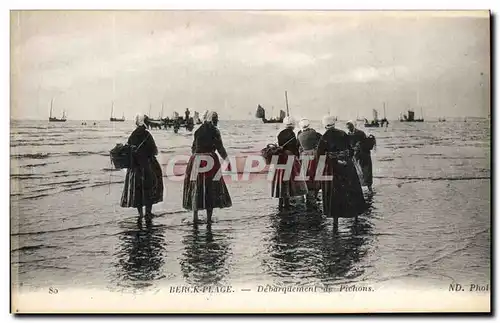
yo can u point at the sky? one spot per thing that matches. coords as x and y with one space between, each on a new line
338 62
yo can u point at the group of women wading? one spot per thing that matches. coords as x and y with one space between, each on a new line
346 156
346 166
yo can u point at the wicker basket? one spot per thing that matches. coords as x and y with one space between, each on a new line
121 156
270 150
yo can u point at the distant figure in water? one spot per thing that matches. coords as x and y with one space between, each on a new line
342 195
308 143
206 190
144 180
284 188
361 153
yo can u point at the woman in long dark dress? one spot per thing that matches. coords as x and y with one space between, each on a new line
285 188
144 180
361 153
207 190
308 143
342 195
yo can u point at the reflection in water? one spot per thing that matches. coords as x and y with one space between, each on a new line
141 255
205 256
305 249
343 251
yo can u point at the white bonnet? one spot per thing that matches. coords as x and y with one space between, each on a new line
289 121
328 121
304 123
139 119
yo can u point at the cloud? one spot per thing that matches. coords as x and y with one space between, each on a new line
203 58
371 74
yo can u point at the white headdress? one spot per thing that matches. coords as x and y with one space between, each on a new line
289 121
328 121
139 119
211 115
304 123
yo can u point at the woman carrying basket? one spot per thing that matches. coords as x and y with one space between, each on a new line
144 180
287 184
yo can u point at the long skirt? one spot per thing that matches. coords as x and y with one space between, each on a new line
204 191
282 187
343 195
308 167
143 185
365 162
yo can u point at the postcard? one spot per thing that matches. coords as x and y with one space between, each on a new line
225 161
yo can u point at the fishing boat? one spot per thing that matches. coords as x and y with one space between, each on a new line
155 122
411 117
261 114
176 121
54 119
442 120
375 123
113 119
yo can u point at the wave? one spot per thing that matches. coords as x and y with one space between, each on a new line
59 172
39 260
74 188
64 182
429 154
35 165
34 197
106 183
25 176
86 153
32 156
59 230
36 247
36 144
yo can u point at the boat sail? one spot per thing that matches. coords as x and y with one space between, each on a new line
55 119
113 119
411 116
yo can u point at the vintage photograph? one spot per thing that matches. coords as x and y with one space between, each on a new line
232 161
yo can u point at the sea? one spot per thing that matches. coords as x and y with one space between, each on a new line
428 224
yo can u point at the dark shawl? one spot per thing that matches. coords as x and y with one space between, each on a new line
308 139
207 139
287 139
147 150
333 140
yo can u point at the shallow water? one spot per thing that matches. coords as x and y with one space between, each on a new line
428 223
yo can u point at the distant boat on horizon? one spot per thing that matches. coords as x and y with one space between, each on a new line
261 114
411 117
375 123
55 119
113 119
